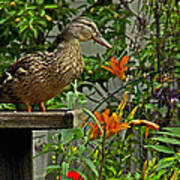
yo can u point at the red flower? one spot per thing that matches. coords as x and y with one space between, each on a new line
73 175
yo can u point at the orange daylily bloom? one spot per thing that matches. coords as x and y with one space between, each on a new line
111 123
148 124
118 68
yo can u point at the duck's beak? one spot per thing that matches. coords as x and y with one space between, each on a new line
102 41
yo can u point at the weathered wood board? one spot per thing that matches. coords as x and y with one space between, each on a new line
16 138
37 120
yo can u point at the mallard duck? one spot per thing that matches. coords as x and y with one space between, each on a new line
36 78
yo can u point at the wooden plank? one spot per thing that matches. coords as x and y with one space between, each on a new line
38 120
16 154
41 120
16 138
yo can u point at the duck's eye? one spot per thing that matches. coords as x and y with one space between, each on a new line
92 27
89 25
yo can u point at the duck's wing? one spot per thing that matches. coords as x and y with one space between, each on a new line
15 73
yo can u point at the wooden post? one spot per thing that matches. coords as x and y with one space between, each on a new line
16 139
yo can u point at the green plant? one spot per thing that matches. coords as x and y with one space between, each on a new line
168 165
152 82
69 148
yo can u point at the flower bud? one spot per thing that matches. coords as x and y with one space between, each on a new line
18 20
49 18
12 4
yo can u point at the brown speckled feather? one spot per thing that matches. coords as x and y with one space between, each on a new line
38 77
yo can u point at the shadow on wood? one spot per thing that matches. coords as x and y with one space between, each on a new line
15 154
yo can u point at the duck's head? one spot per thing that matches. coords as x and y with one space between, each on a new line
84 29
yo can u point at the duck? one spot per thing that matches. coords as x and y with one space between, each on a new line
38 77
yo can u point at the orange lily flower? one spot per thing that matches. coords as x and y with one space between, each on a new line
111 123
118 68
148 124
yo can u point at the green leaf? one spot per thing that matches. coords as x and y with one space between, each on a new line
163 110
91 165
51 6
35 32
149 106
65 168
65 178
42 153
161 148
31 7
157 175
163 163
113 178
48 146
81 148
175 130
71 99
78 132
112 169
40 1
31 13
168 133
166 140
51 168
93 117
2 21
43 23
90 1
67 135
23 28
21 12
42 12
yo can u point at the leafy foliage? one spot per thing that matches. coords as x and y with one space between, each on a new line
149 35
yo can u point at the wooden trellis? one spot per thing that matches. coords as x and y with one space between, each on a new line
16 139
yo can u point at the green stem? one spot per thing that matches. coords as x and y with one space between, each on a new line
103 154
130 82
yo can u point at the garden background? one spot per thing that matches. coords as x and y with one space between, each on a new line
146 32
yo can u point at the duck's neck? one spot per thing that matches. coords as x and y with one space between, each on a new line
71 46
70 55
